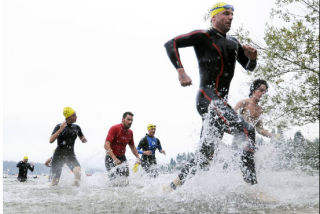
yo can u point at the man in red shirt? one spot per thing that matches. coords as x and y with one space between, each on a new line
118 137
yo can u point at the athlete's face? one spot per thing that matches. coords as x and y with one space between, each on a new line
127 121
72 119
222 21
152 131
259 92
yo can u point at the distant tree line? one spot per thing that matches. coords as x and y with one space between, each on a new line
299 153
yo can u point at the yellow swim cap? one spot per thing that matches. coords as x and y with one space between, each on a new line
151 126
219 7
68 111
25 157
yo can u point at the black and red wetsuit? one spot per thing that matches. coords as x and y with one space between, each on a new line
217 54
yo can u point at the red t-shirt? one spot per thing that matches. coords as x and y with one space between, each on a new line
119 137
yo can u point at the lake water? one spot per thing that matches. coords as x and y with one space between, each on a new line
219 190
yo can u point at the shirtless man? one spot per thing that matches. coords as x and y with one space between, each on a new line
250 109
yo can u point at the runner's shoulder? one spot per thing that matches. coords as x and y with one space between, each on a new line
199 32
75 126
115 128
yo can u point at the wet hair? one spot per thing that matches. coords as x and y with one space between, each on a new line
127 113
256 84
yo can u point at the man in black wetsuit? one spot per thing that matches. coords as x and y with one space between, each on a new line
217 54
66 133
23 169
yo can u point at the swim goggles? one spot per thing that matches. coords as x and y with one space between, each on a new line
227 7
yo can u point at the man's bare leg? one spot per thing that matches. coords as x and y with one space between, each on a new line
173 185
55 181
77 175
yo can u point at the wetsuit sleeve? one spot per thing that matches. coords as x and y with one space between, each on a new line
185 40
139 147
159 145
31 167
55 129
244 61
80 134
19 164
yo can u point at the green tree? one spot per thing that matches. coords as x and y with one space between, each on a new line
299 153
309 156
289 60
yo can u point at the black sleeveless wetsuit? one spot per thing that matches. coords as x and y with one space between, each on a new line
64 153
217 55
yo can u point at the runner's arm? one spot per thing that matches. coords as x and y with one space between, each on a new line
47 163
261 130
247 57
160 147
57 131
134 151
239 106
107 147
81 136
139 147
31 167
83 139
181 41
185 40
19 164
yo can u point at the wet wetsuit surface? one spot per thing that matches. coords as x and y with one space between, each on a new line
149 143
217 55
23 170
64 153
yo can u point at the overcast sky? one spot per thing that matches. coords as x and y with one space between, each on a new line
103 58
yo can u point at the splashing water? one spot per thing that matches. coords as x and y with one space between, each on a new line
218 190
